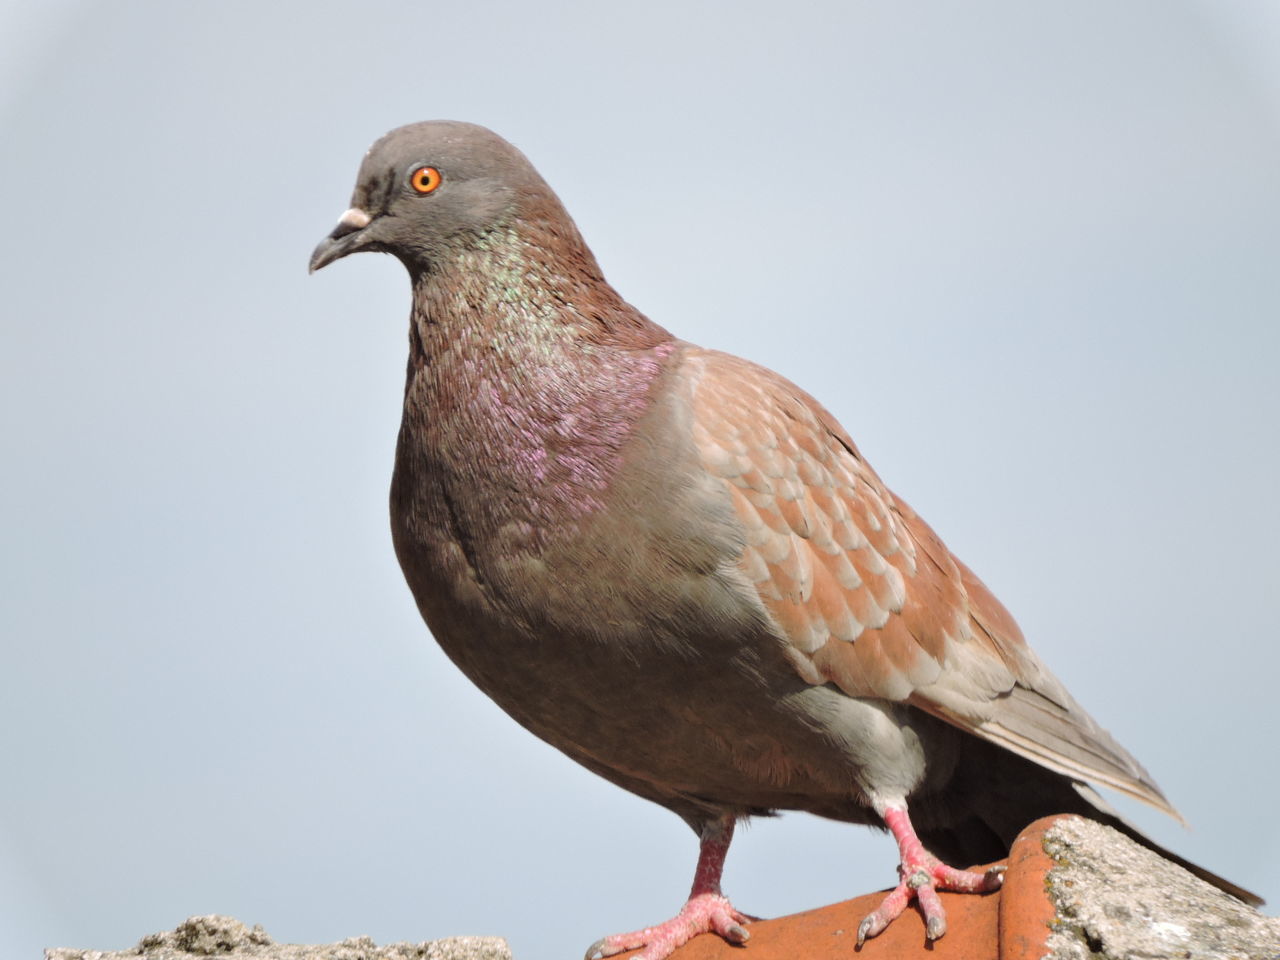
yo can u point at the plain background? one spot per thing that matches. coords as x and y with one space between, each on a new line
1026 252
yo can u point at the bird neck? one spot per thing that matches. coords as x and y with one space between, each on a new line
526 368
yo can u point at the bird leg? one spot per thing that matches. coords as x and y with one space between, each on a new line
707 909
922 876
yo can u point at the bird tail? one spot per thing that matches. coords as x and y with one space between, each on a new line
996 793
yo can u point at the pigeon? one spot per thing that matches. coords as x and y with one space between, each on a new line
676 567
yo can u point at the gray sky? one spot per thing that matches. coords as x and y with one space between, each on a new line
1027 253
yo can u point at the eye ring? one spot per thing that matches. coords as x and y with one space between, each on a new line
425 179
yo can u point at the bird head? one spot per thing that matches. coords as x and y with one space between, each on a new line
428 190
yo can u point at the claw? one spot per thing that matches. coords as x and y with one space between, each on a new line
871 925
935 927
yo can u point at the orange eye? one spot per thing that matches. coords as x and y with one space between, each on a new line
424 179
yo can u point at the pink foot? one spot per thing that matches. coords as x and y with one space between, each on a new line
923 875
706 911
703 913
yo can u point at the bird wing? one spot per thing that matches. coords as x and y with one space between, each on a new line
866 595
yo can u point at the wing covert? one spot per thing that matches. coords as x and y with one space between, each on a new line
865 594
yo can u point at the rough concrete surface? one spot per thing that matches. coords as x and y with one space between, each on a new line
1092 892
1119 901
228 938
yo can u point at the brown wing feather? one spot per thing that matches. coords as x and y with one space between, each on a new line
866 595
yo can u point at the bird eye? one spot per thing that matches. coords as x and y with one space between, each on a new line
424 179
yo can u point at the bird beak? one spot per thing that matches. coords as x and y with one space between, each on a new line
345 238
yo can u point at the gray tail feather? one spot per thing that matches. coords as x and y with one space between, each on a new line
1000 793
